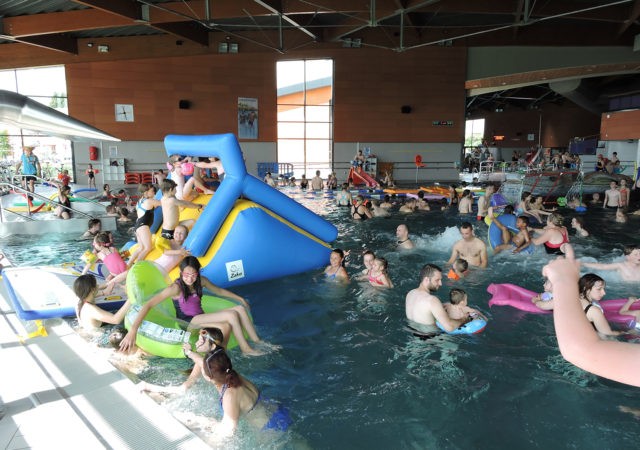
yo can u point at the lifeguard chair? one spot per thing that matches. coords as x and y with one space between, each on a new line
418 161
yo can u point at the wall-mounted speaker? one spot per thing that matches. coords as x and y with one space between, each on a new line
184 104
405 109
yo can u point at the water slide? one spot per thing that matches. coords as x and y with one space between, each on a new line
265 235
359 176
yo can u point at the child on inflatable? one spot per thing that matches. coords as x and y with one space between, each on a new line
458 309
106 253
186 293
544 300
518 241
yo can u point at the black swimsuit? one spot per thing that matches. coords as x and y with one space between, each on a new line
354 211
146 219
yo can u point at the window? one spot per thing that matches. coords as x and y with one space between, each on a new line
474 133
305 115
48 86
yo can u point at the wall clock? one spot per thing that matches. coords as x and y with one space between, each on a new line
124 113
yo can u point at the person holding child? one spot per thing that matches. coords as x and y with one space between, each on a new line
458 308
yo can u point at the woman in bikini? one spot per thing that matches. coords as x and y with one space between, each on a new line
359 211
335 270
554 236
186 293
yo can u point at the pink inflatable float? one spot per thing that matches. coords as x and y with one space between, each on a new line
520 298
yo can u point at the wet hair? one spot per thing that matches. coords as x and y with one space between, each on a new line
368 252
525 219
110 209
167 185
215 334
508 209
428 271
105 187
630 248
340 253
83 287
190 261
456 295
466 226
466 193
556 219
384 262
421 195
103 239
461 264
124 211
525 195
580 221
586 283
218 367
144 187
93 222
116 336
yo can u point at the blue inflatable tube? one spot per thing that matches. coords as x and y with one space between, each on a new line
474 327
237 182
495 234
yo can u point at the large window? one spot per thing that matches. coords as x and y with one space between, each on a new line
48 86
474 133
305 115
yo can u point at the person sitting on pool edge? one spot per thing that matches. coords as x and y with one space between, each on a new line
209 339
186 293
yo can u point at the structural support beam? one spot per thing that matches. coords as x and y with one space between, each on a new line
192 31
276 8
58 42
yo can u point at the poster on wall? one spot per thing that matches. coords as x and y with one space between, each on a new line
247 118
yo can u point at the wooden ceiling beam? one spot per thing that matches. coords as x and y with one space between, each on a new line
192 31
123 8
57 42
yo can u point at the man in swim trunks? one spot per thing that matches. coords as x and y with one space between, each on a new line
171 213
402 233
629 269
612 196
424 308
469 247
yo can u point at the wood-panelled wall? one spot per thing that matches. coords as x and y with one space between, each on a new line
620 125
560 123
370 86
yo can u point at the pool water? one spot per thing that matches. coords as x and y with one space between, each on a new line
353 375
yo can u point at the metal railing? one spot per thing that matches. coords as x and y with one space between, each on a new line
28 193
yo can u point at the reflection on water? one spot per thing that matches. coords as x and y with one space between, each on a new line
353 376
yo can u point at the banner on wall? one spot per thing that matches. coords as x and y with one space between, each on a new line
247 118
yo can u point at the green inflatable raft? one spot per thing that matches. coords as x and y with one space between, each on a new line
161 333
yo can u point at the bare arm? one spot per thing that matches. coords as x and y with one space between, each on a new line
611 266
437 309
129 340
484 259
625 308
221 292
454 254
578 341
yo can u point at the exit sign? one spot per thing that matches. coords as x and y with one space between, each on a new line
442 123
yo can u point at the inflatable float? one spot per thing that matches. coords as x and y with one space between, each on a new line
495 234
44 292
507 294
474 326
161 333
520 298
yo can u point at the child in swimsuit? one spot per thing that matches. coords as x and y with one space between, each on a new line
335 270
378 275
458 269
457 309
186 293
89 314
108 255
367 259
544 300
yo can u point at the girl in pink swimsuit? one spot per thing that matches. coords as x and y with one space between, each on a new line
110 256
378 275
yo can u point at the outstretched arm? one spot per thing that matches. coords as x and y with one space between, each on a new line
578 341
223 292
